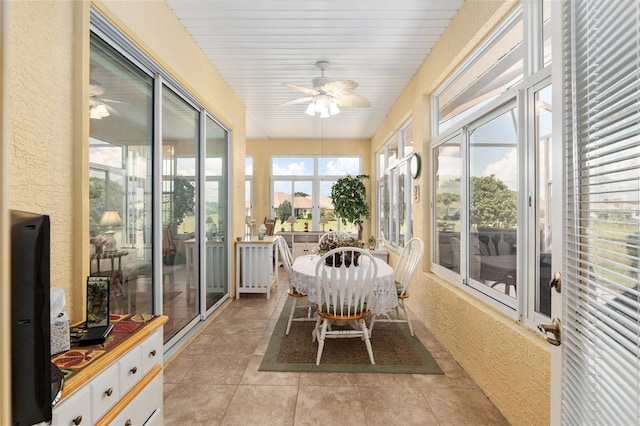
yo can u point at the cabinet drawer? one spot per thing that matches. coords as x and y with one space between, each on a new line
74 410
105 392
143 406
130 369
151 351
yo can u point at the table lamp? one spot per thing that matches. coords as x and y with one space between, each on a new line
323 221
109 220
291 220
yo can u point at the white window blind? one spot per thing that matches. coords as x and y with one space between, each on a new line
601 326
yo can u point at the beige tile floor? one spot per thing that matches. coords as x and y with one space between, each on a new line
215 380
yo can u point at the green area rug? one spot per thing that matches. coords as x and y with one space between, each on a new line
394 350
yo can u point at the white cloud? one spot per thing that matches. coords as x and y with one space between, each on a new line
505 169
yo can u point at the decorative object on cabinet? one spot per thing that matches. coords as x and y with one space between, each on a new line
110 219
349 198
97 301
292 221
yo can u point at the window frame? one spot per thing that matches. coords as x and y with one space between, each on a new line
314 177
522 308
389 169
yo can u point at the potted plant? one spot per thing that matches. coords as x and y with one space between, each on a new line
331 244
349 198
373 242
183 199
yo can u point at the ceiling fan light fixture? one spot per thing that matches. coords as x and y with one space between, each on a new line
98 111
333 109
311 109
324 113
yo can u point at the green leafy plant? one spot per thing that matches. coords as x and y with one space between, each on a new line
183 199
330 244
373 242
349 198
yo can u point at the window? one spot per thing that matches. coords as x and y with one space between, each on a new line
394 181
491 168
248 188
302 189
493 69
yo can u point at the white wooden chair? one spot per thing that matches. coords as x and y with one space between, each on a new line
408 262
287 261
342 295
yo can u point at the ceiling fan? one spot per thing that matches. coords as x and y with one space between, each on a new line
98 107
328 95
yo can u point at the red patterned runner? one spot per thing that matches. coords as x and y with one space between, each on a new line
78 357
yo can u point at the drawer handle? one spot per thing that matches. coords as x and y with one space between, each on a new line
153 352
109 392
77 420
134 370
128 422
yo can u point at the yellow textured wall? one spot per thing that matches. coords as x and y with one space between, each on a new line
153 26
263 150
47 124
509 362
45 131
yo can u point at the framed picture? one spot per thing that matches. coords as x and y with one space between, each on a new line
97 301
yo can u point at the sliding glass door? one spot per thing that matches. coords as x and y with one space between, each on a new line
215 199
120 184
158 189
180 292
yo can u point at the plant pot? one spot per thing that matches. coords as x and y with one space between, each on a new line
335 260
347 260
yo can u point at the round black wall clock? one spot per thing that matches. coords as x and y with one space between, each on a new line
414 165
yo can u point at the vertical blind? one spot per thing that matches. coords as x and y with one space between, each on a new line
601 326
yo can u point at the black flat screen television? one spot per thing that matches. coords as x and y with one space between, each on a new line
30 322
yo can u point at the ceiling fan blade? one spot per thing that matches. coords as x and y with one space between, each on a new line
302 89
113 101
339 88
95 90
297 101
353 101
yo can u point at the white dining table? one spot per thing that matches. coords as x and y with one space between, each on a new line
303 278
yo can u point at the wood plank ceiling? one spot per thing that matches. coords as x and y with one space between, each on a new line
257 45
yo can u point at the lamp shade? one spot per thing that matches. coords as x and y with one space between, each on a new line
323 220
291 219
109 219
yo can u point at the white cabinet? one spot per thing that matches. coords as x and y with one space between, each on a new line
255 266
301 243
147 404
105 392
75 410
122 386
